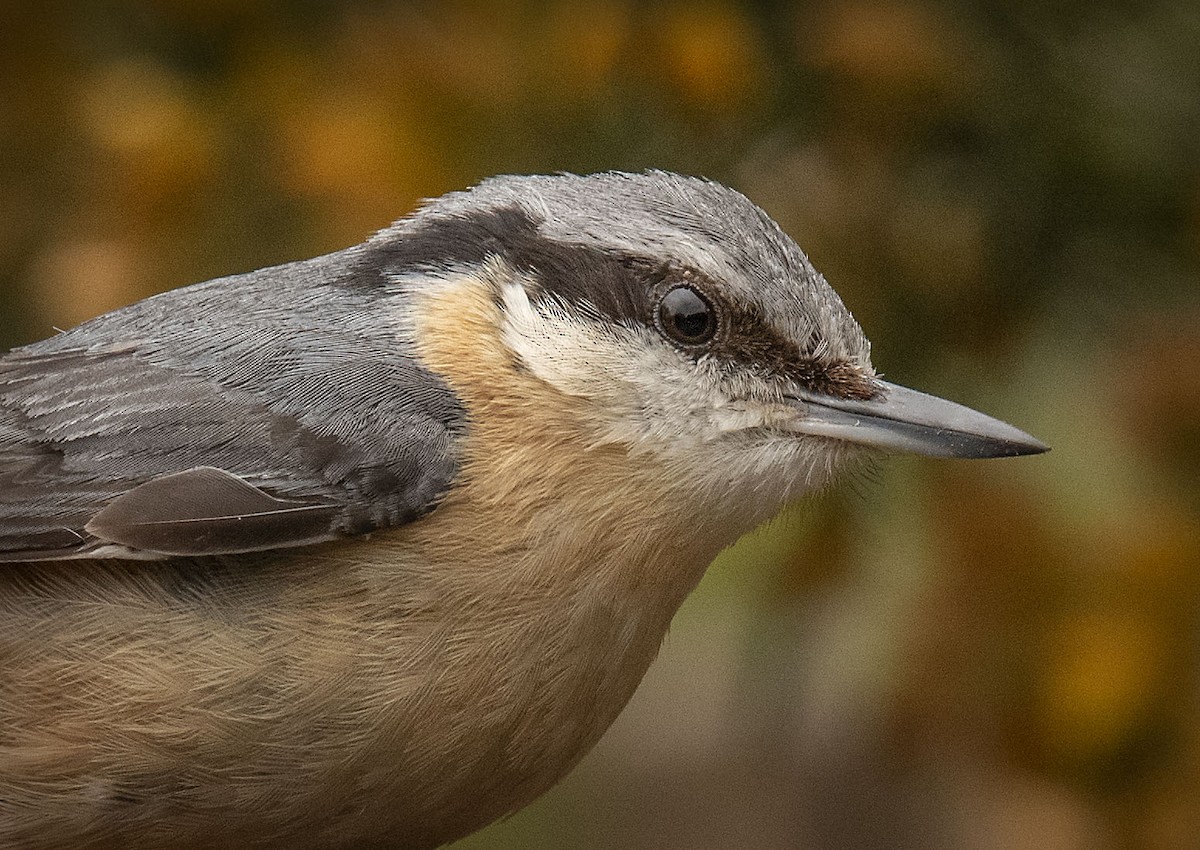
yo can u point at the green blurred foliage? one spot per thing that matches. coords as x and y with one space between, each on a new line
1007 195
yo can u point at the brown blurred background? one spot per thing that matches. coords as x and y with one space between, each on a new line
1007 195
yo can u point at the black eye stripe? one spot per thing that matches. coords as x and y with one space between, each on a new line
622 288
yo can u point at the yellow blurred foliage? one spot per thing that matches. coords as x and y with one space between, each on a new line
1103 675
155 139
587 41
711 52
882 43
360 158
85 277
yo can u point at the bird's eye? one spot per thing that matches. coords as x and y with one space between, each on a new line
686 316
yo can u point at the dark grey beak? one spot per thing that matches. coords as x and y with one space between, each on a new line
904 420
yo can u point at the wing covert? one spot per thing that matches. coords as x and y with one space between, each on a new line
265 410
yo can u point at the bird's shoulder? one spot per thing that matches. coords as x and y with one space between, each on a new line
275 408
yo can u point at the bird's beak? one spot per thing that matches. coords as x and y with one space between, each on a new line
904 420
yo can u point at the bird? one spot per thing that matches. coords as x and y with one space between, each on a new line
369 549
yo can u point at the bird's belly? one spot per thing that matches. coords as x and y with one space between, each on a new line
135 712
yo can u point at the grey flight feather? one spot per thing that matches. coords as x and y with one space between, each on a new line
288 381
174 515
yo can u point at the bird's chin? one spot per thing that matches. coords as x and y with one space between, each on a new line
749 475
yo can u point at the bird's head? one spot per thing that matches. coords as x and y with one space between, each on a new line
690 326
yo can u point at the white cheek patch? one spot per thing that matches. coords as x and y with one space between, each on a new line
576 357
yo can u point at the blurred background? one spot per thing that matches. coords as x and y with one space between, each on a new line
1006 194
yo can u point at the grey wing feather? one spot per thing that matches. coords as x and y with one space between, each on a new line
208 511
266 410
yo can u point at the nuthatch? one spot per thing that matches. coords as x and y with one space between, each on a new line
370 549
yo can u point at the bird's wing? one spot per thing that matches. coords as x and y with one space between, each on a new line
268 410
